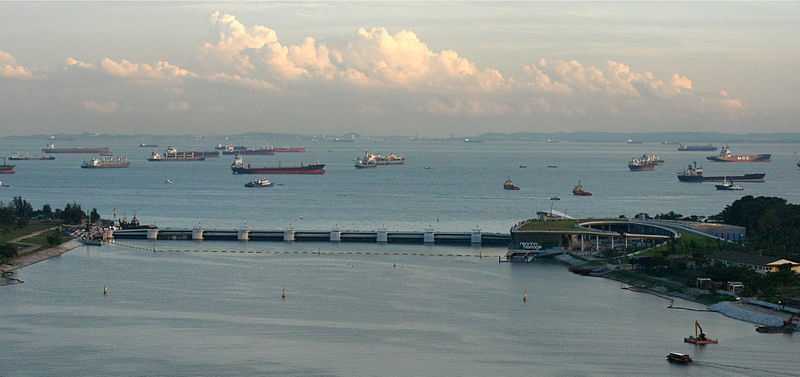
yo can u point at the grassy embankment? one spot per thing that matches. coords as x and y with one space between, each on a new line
29 238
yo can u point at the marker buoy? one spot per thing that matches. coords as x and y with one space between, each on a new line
283 293
106 291
525 296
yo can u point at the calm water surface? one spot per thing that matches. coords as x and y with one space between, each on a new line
220 314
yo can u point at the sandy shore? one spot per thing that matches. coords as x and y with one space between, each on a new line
38 256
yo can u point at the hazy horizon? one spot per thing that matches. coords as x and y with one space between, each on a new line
396 68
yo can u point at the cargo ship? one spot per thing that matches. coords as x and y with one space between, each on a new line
19 157
173 154
697 148
240 150
106 162
206 154
51 148
6 168
725 155
289 149
369 159
239 167
642 164
694 174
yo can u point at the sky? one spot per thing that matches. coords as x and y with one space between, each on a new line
397 68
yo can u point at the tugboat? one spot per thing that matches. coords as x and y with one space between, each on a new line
239 167
579 191
678 358
725 155
6 168
694 174
727 185
259 183
509 185
699 338
106 162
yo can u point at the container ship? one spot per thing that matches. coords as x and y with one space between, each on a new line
19 157
725 155
5 168
173 154
51 148
697 148
106 162
239 167
694 174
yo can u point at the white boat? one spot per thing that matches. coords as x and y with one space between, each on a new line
261 182
3 184
729 186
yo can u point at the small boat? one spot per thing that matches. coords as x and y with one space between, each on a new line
678 358
727 185
552 166
699 338
259 183
631 141
5 168
2 184
144 145
427 168
579 190
523 166
509 185
555 198
169 181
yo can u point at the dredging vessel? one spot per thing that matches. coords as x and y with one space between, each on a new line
106 162
699 338
725 155
51 148
694 174
239 167
172 154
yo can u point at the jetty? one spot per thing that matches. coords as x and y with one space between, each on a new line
428 236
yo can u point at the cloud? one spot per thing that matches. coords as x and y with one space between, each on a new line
106 107
162 70
72 62
11 70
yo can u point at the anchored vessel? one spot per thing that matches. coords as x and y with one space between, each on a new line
106 162
509 185
580 191
289 149
644 163
51 148
369 160
725 155
5 168
143 145
694 174
696 148
678 358
239 167
19 157
240 150
173 154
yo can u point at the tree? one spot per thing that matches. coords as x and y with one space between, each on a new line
54 237
94 217
73 214
47 211
7 250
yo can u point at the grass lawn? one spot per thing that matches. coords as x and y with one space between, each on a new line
12 232
549 225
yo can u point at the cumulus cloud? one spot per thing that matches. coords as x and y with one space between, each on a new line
162 70
178 106
72 62
105 107
11 70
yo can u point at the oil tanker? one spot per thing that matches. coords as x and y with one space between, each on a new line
239 167
51 148
289 149
694 174
697 148
19 157
725 155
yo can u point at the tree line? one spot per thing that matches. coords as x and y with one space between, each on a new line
773 224
19 212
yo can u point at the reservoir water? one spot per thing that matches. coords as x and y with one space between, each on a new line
220 314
